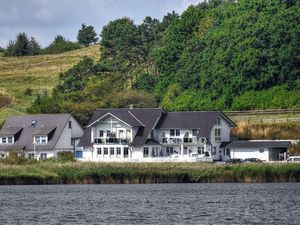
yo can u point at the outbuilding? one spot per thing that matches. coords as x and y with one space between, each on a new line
266 150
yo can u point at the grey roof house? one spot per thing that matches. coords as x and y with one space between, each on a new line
146 134
40 135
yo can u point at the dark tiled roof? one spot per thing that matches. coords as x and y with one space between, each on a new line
123 114
259 144
25 140
203 120
44 130
85 140
10 130
144 119
151 141
149 118
224 144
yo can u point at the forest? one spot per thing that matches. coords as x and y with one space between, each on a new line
217 55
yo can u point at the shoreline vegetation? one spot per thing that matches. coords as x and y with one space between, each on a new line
49 172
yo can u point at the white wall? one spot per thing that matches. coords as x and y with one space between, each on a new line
64 141
244 153
225 136
114 125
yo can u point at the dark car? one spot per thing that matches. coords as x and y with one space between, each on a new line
233 161
252 160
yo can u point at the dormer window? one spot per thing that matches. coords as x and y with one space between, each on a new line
41 139
195 132
7 140
33 123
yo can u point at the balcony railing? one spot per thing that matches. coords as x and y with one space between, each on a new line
188 140
111 140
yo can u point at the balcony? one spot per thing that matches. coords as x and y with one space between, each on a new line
111 141
186 140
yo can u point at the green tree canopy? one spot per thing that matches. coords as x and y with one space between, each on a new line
87 35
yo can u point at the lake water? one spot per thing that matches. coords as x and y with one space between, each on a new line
151 204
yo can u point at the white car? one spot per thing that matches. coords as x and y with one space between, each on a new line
294 159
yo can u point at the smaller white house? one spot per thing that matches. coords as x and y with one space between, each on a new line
266 150
40 136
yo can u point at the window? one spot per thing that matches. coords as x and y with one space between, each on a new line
43 156
126 152
30 156
108 133
43 139
2 155
101 133
195 132
203 140
184 150
4 140
99 151
172 132
118 151
105 151
112 151
217 135
214 150
40 139
146 152
218 121
200 150
70 124
261 150
177 132
10 140
170 150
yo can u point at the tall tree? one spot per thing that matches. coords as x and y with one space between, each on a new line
87 35
34 47
121 47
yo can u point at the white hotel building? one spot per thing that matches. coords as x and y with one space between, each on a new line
154 135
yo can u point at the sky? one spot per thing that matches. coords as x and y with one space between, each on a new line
44 19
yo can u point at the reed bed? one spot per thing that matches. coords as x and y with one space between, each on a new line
135 173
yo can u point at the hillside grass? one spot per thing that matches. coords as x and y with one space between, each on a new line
97 173
38 73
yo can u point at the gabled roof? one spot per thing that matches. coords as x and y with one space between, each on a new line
123 114
259 144
144 119
45 123
8 131
202 120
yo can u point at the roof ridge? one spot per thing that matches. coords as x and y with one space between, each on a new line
135 118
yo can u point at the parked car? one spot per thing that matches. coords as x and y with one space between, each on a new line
252 160
293 159
234 160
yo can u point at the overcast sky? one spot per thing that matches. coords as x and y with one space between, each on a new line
43 19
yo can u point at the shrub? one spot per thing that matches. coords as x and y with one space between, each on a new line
16 156
4 100
28 91
65 156
60 45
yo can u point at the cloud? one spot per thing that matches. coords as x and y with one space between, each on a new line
44 19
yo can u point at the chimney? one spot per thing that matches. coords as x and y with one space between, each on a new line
131 106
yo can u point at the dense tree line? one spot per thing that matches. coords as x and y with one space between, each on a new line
23 45
220 54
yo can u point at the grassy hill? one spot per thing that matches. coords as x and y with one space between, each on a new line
17 74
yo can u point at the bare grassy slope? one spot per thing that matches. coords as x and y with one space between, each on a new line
35 72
